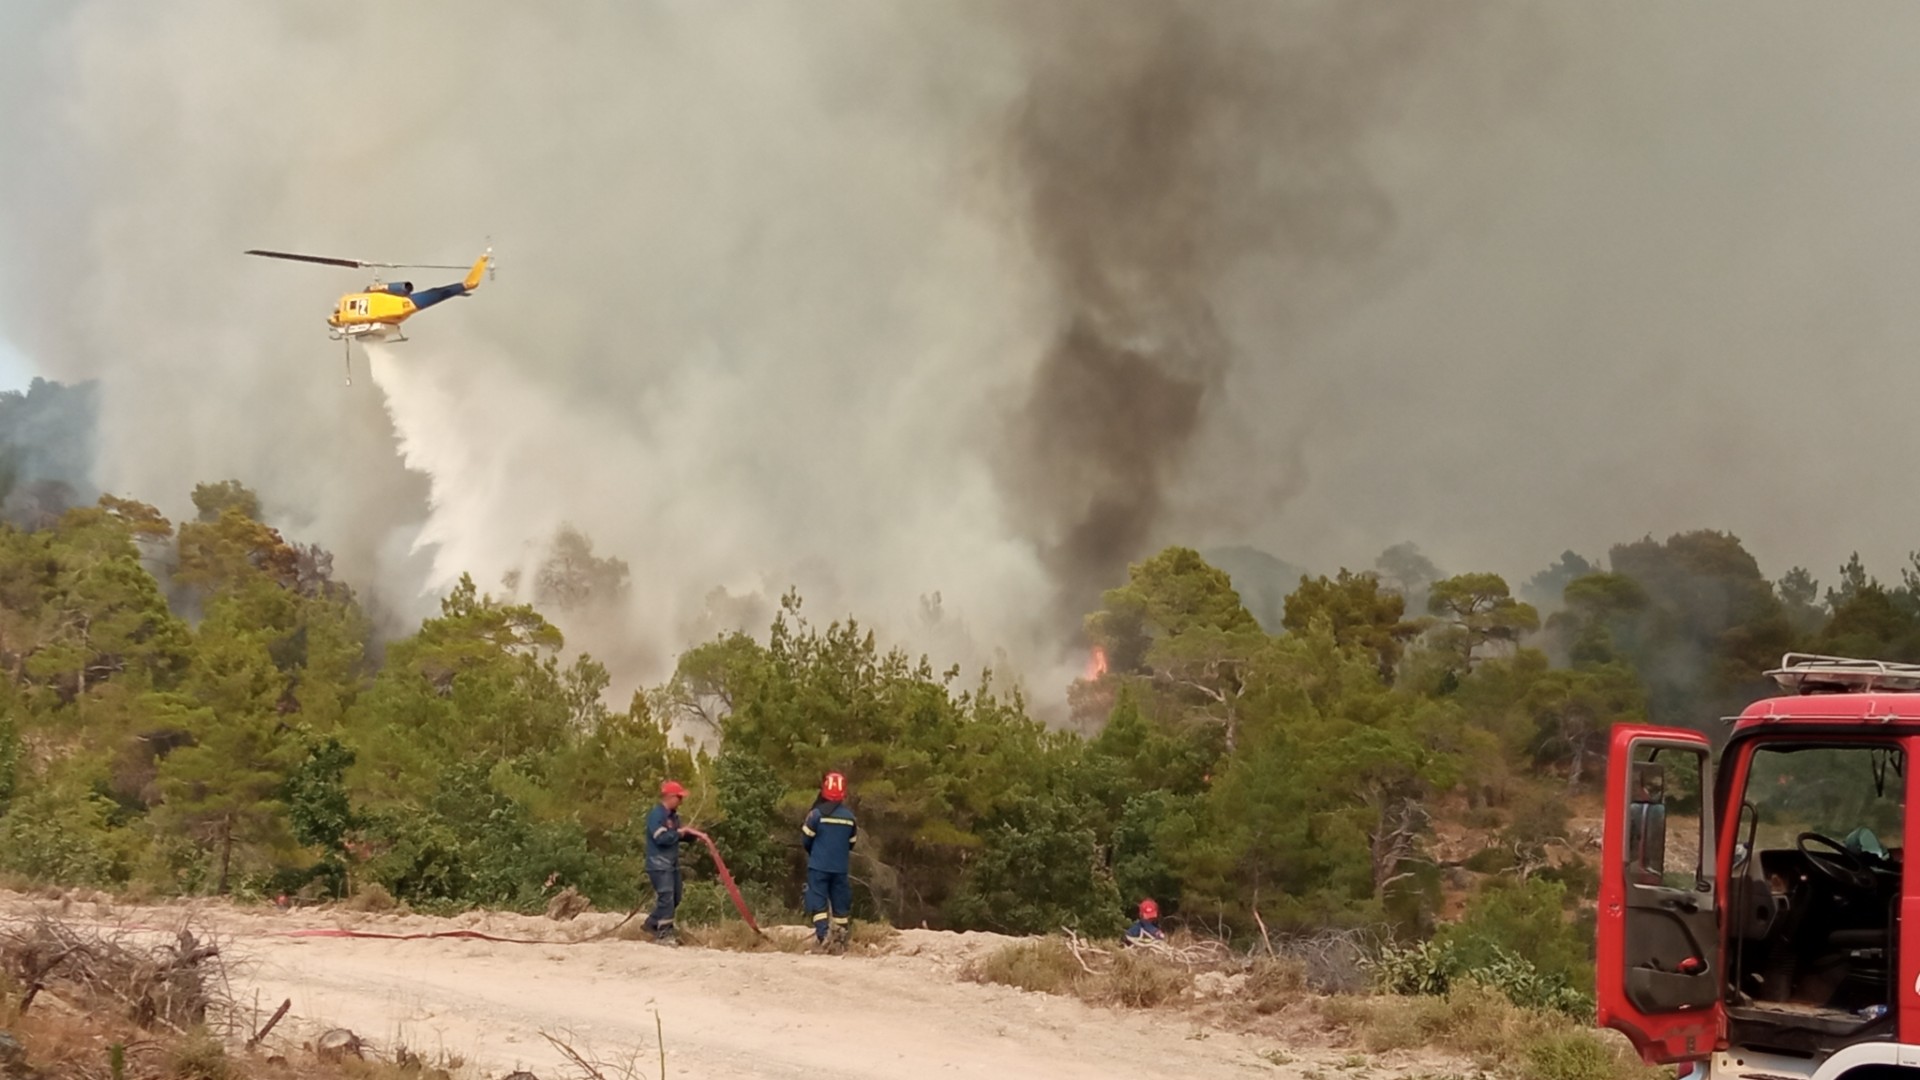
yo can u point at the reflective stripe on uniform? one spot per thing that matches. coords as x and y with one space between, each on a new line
836 821
840 920
659 830
820 917
808 829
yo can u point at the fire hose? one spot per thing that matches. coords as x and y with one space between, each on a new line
720 864
726 878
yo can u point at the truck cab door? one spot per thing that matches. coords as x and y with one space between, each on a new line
1658 974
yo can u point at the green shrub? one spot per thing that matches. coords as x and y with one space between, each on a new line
1540 815
1141 866
9 752
749 794
167 863
1039 870
707 903
1530 988
419 859
1437 967
1580 879
1523 918
1425 967
60 837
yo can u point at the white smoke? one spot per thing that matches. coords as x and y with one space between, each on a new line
690 509
768 295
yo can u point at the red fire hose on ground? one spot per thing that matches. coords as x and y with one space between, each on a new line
720 864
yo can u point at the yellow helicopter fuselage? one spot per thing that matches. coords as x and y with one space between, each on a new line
371 313
376 313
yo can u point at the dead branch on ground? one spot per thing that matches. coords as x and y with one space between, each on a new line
174 984
595 1068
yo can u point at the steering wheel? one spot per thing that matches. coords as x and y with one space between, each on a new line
1841 865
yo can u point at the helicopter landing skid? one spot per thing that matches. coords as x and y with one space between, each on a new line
370 336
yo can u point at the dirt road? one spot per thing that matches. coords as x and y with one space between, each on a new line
725 1015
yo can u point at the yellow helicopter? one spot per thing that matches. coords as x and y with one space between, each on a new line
375 314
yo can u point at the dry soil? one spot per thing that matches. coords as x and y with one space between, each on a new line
724 1015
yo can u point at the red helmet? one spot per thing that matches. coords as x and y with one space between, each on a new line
1149 909
834 787
672 787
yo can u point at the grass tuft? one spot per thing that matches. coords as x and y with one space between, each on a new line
1045 965
199 1056
1134 980
371 897
873 937
735 936
1138 981
1275 983
1481 1024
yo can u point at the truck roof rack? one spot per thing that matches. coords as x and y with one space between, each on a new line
1809 673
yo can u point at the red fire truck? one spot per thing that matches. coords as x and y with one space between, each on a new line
1752 902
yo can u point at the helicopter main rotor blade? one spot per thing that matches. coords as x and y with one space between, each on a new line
354 263
308 258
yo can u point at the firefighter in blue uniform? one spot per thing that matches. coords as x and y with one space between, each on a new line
828 836
1148 928
664 837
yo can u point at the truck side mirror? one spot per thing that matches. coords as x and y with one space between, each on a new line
1647 824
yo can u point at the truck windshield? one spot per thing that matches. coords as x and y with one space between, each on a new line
1855 794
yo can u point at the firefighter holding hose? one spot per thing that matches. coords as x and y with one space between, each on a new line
829 835
664 837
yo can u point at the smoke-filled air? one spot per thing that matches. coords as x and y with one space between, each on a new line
944 313
1268 517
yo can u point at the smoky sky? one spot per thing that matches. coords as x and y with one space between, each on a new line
1157 149
885 301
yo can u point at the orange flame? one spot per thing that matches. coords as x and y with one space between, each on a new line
1096 664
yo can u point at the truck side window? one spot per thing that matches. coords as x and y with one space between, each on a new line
1663 819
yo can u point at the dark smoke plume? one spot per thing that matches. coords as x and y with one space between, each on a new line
1159 151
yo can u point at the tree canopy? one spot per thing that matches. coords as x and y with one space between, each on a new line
203 709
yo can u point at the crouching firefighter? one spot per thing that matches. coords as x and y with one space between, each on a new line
1148 927
829 835
664 837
